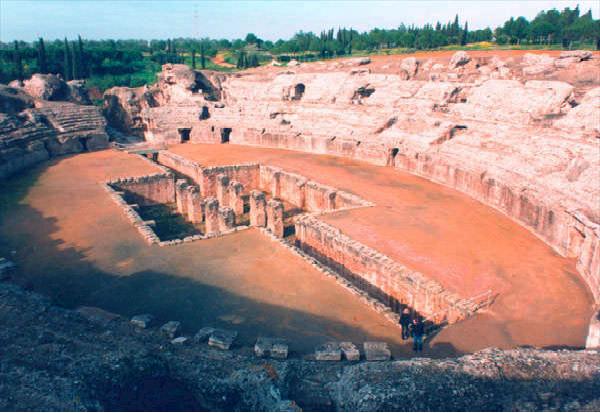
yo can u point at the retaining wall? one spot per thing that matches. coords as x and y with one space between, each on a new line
384 278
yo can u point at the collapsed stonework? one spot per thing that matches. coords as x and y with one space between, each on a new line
521 140
46 117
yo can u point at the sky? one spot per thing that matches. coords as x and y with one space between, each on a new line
269 20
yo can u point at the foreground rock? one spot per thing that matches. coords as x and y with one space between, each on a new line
63 361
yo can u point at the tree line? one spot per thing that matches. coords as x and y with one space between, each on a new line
81 58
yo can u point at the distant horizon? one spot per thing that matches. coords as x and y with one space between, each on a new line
269 20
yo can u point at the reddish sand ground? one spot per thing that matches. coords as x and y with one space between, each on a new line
462 244
73 243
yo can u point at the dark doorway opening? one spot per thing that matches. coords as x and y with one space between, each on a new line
225 132
204 114
184 134
298 91
391 161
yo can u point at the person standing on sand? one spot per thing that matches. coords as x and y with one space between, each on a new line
417 331
405 319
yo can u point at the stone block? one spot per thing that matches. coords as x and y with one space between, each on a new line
142 320
279 350
171 328
328 352
273 347
222 339
236 202
258 213
226 219
377 351
211 212
97 315
179 340
203 334
222 189
350 351
275 217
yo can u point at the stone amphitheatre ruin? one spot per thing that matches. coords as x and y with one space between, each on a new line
314 202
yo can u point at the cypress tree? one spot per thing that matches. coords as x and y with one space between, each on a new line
75 62
202 55
18 62
193 58
42 62
67 61
465 33
83 67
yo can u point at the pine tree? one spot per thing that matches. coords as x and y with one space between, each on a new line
67 61
41 60
18 62
465 33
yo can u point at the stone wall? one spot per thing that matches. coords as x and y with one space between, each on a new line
180 164
303 193
148 190
246 174
389 281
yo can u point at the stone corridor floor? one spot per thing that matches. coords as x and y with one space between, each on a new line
74 244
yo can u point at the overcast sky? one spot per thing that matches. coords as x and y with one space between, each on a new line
51 19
